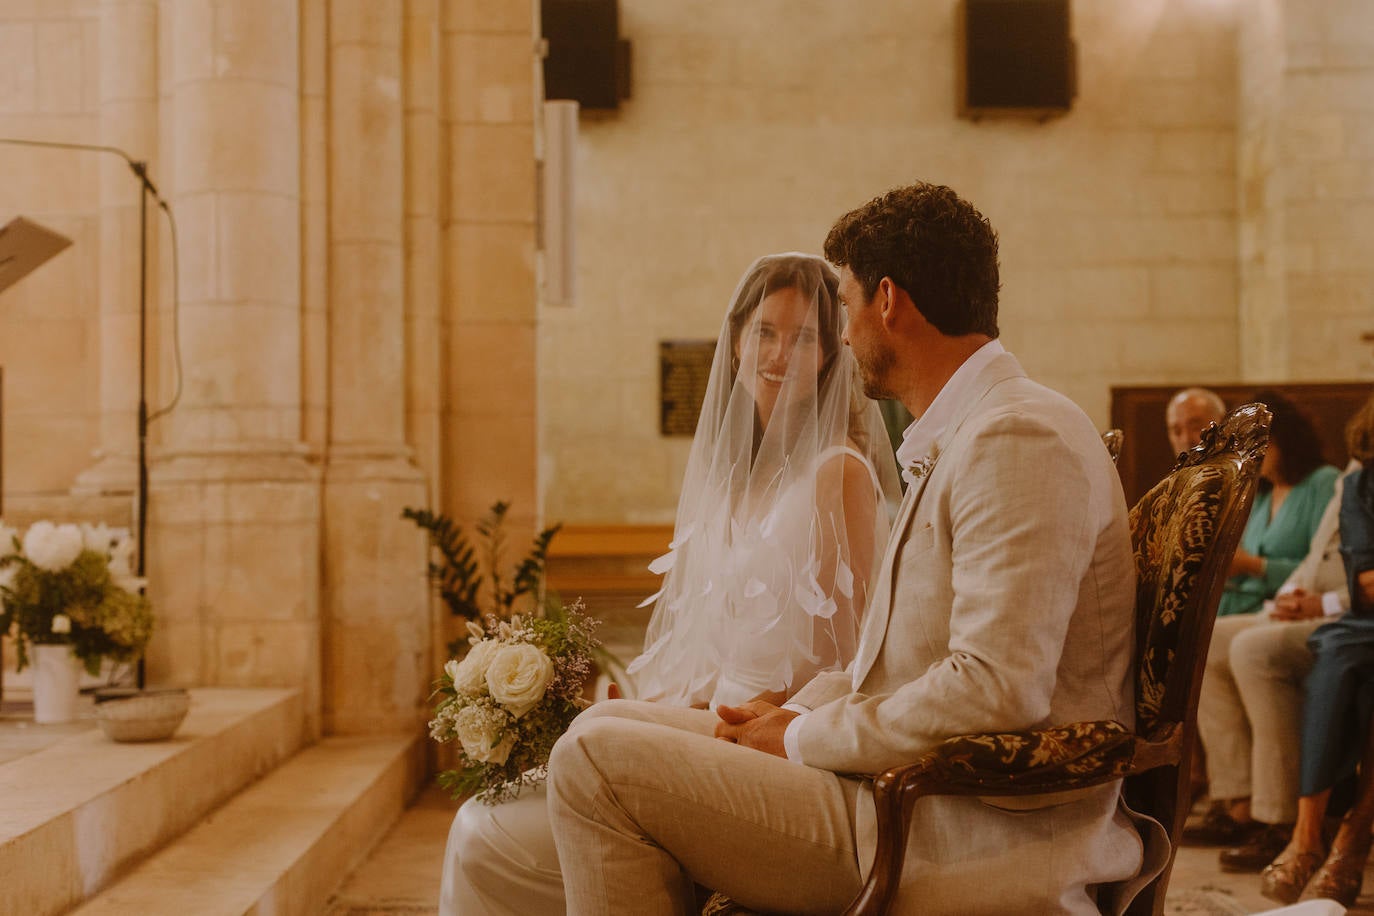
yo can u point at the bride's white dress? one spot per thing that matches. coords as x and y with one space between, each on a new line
756 612
775 541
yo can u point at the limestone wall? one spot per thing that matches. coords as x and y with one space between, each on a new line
50 345
1307 179
754 125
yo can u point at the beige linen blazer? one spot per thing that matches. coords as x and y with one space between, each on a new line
1004 602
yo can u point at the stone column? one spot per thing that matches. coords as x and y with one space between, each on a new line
235 507
491 431
424 266
128 121
376 633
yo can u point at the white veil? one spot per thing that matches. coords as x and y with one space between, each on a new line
785 504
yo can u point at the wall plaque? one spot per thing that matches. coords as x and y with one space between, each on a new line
684 366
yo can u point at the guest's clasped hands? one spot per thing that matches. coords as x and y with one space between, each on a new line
1298 604
757 724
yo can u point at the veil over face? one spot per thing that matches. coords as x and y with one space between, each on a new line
784 506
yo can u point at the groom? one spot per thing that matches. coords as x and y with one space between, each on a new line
1004 602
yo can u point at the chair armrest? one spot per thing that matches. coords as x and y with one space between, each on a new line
1073 756
1017 763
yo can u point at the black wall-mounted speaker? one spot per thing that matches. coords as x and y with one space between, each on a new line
1017 57
587 60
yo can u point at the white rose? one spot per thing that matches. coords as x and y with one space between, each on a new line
478 730
61 624
470 674
97 537
53 547
518 676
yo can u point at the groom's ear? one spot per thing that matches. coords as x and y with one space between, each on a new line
890 297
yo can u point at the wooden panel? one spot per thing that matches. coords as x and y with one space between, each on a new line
607 559
1139 412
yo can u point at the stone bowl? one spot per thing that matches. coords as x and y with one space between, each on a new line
143 716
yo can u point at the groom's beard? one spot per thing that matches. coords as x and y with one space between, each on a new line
873 370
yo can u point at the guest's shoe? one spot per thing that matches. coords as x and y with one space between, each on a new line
1262 849
1340 877
1219 828
1284 878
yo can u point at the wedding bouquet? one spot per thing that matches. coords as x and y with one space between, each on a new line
510 697
72 585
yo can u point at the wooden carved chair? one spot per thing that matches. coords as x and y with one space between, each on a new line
1185 531
1114 439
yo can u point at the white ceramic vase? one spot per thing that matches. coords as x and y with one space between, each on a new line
56 683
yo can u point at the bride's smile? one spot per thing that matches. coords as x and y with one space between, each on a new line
780 349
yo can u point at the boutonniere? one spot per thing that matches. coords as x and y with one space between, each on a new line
921 467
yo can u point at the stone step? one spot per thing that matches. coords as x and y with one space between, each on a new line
79 809
284 844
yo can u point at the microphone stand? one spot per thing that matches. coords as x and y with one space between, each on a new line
146 190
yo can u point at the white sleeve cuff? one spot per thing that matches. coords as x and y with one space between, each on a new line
791 739
1331 604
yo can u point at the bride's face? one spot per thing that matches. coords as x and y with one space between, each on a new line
780 349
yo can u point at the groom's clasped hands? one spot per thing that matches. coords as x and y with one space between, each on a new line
757 724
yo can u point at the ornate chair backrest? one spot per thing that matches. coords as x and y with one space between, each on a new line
1185 531
1114 439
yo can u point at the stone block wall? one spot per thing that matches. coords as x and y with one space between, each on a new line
50 87
753 126
1307 180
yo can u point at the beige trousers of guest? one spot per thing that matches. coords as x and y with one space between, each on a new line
1250 713
644 802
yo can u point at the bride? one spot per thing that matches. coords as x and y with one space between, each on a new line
784 508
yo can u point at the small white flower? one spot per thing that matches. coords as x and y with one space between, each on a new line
478 730
475 631
97 537
61 624
518 676
53 547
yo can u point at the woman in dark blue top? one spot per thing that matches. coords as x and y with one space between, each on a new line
1337 709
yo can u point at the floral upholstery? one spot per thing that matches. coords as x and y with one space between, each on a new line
1172 527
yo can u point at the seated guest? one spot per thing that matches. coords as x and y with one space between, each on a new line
1336 737
1250 709
1190 411
1295 485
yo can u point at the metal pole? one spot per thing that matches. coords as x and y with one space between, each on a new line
140 169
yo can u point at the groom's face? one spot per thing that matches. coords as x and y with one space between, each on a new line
863 333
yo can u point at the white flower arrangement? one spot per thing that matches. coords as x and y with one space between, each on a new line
510 697
72 585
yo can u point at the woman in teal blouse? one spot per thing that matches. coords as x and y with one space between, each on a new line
1295 486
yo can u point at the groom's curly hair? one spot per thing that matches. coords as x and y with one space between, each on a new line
933 244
